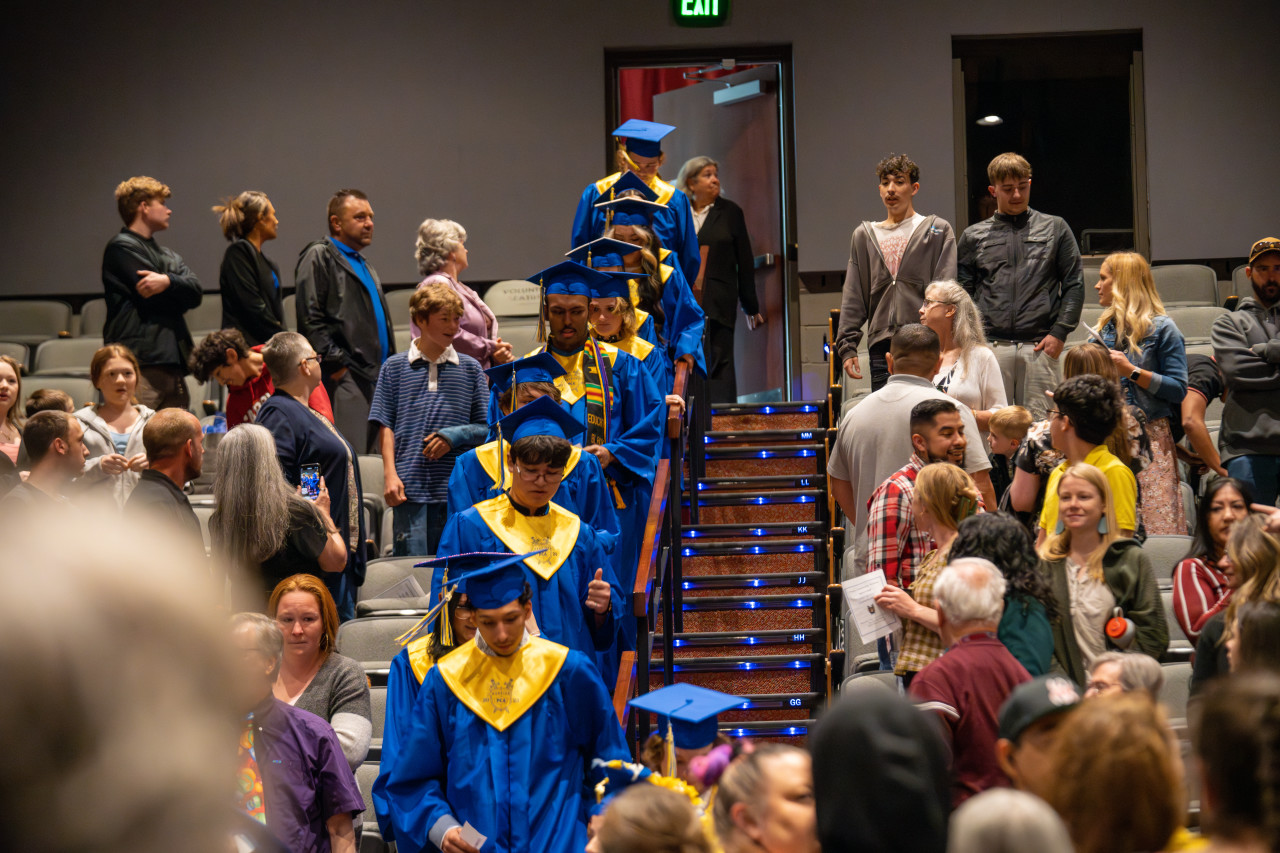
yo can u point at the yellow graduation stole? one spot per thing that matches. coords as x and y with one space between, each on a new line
635 346
420 659
490 459
500 690
664 190
557 532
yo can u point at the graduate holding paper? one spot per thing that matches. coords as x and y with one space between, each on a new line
504 732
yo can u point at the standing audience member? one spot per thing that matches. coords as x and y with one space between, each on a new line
1115 780
728 272
174 443
879 777
968 684
649 818
248 279
343 313
441 251
969 371
1246 348
876 435
148 289
1030 720
1023 269
10 416
113 428
225 356
429 407
944 496
1201 589
765 802
1029 603
261 526
304 436
1006 430
1254 643
313 676
890 263
1004 821
1235 735
1134 326
1124 672
54 444
292 774
1204 385
1096 571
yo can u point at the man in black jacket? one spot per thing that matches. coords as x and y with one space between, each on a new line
1022 268
343 312
148 289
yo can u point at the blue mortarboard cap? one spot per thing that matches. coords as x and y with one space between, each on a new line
541 367
689 710
489 580
644 137
601 252
619 285
543 416
631 211
632 185
617 777
566 277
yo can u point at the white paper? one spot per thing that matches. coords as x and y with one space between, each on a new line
872 621
472 837
1093 333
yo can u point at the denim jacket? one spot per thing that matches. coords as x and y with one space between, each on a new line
1165 355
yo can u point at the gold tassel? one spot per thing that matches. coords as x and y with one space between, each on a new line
671 750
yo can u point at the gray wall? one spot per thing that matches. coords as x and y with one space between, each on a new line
488 113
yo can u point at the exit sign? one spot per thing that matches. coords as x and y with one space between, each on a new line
700 13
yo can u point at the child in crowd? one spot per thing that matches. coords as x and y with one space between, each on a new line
1005 432
49 400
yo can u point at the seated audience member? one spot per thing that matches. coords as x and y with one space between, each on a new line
1124 672
1029 723
54 442
261 526
1029 603
969 371
1005 432
765 802
875 436
650 819
1004 821
968 684
313 676
49 400
944 496
248 280
174 444
293 777
441 252
429 406
10 416
113 428
304 436
879 777
1115 779
1250 566
1235 737
1084 414
529 716
240 369
1200 589
1254 642
1094 571
1204 385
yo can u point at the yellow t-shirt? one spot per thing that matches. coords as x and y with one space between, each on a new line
1124 489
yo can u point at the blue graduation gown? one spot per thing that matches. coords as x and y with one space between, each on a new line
683 320
673 224
402 693
524 787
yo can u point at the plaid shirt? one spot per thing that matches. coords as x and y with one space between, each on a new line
920 646
895 544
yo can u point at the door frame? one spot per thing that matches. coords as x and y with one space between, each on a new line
617 59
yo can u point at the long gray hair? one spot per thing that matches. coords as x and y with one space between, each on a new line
966 323
252 514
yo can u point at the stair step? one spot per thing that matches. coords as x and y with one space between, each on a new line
756 451
762 436
755 581
755 565
806 512
715 532
742 663
799 414
737 547
780 730
738 681
765 639
759 483
746 498
800 465
750 613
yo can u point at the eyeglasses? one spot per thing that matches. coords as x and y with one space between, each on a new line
929 302
536 476
315 358
1054 413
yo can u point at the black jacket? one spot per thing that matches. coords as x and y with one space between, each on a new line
153 328
336 314
250 299
729 276
1025 274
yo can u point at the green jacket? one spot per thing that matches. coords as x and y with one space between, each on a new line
1127 572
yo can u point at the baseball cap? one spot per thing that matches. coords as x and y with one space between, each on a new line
1035 699
1266 244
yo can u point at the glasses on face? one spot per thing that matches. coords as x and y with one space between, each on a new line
1099 686
929 302
1054 413
315 358
538 476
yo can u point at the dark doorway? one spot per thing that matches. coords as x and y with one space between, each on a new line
1068 104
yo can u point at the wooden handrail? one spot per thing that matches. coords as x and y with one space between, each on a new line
675 413
650 547
622 690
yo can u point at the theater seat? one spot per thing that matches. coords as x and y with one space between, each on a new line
876 680
68 356
205 317
371 835
1195 321
398 305
1176 690
204 512
385 590
378 714
16 351
513 298
93 318
290 306
30 321
1165 552
1186 284
371 640
79 388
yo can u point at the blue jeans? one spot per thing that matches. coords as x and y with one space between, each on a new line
416 528
1260 471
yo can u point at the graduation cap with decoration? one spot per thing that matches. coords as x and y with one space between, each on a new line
601 252
490 574
643 137
687 715
539 367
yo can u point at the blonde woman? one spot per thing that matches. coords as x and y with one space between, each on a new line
10 411
969 371
1151 359
945 496
1095 572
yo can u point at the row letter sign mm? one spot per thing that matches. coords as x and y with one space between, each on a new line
700 13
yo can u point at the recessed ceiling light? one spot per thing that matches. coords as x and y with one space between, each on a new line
990 121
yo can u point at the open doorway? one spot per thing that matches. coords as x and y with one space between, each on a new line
733 105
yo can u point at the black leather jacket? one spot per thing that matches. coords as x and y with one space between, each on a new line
336 314
153 328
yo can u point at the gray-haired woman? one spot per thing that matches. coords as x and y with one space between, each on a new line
969 371
441 252
261 527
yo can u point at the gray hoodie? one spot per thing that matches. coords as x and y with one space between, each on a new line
97 437
1246 345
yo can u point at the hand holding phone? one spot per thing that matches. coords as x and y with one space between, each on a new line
310 481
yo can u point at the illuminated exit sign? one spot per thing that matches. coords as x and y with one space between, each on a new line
700 13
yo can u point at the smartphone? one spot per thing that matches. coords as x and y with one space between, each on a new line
311 481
